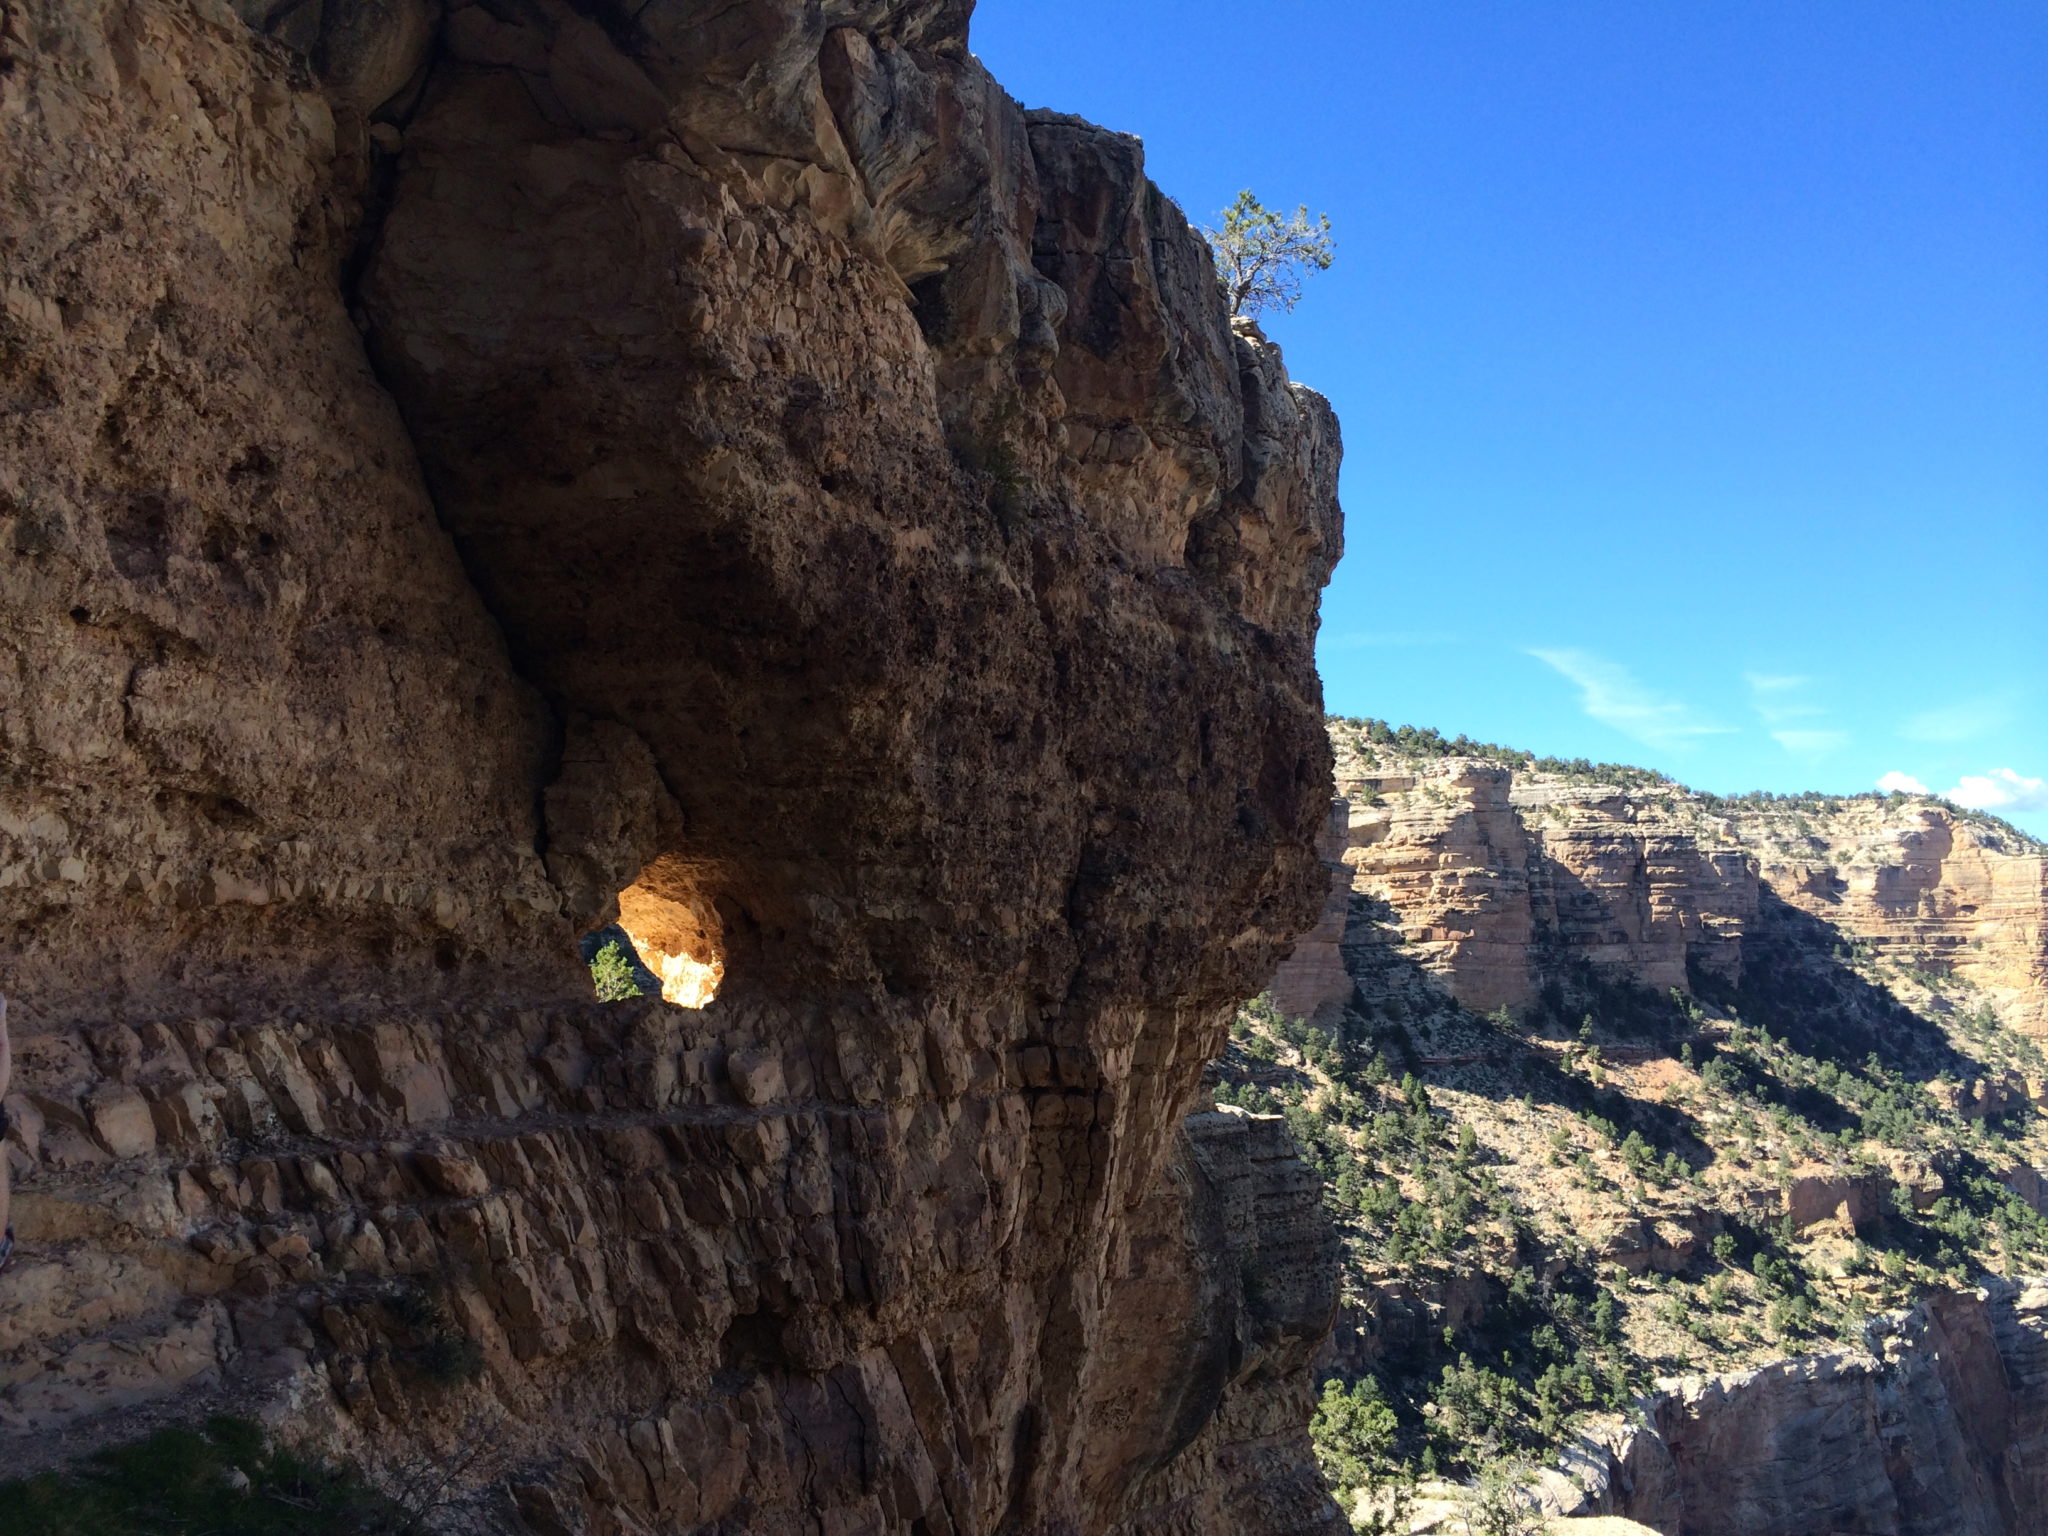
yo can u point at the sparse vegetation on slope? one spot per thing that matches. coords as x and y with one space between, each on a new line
224 1480
1593 1223
1377 744
1546 1209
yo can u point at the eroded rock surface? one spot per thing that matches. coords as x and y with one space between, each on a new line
1496 885
1496 879
255 726
1941 1429
467 464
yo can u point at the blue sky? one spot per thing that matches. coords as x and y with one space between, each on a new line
1692 357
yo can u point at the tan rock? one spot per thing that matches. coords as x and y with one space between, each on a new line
857 536
1313 983
121 1120
1917 1438
1850 1201
1934 892
1492 883
1495 875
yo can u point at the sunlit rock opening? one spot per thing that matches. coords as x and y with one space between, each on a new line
674 933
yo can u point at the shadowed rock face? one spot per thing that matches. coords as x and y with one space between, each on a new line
784 481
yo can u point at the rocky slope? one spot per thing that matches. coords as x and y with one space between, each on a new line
472 474
1937 1427
1619 1084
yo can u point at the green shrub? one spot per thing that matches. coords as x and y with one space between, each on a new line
1354 1429
612 973
219 1481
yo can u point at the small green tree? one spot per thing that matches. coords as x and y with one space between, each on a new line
1499 1505
613 975
1261 255
1353 1431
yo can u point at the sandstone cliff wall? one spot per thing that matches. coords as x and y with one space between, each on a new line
1941 1429
1496 879
472 473
1926 887
1496 885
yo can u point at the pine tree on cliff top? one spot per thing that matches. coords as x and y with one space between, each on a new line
1262 255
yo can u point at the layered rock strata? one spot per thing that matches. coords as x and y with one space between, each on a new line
1254 1255
1495 884
1922 886
657 1233
476 475
1496 880
1846 928
1940 1429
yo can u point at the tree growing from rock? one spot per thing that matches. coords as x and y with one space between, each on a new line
1262 254
612 973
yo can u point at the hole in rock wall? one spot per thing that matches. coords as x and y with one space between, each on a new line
675 933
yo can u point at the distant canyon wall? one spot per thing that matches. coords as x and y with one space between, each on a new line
1495 880
1924 886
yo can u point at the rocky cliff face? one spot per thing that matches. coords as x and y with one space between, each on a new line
1500 877
258 729
1940 1428
1498 885
474 474
1313 982
1921 885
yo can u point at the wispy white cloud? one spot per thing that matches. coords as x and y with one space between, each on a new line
1780 700
1961 721
2001 790
1611 694
1776 699
1811 743
1774 682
